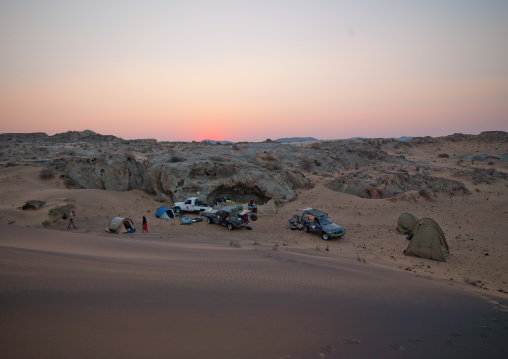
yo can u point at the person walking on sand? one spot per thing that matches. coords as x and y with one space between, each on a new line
71 220
145 225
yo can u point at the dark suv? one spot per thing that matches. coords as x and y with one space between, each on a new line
313 220
232 217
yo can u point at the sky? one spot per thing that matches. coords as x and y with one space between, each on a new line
254 70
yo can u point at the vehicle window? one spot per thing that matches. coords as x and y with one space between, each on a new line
304 217
325 220
187 202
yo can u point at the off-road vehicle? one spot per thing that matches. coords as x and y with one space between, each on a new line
314 220
232 217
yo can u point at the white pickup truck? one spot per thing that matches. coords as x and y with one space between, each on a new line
192 204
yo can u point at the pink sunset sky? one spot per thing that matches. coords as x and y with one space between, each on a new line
252 70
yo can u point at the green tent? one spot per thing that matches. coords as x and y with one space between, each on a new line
428 241
406 222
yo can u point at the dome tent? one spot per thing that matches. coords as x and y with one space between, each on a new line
165 213
428 241
406 222
120 225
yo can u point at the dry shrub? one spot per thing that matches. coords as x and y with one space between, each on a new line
69 183
272 166
46 173
308 164
425 193
58 211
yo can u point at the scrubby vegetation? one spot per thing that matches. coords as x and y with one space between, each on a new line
58 211
272 166
47 173
69 183
425 193
308 164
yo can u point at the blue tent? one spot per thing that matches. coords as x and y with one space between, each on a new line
165 213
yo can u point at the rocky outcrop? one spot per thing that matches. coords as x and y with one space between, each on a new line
33 204
119 172
242 181
240 171
481 175
382 185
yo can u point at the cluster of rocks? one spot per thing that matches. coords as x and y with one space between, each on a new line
482 175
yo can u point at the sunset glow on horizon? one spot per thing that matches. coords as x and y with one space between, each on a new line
226 70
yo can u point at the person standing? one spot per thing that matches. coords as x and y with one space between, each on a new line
145 225
71 220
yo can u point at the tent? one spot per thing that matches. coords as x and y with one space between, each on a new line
264 209
428 241
165 213
229 203
268 208
406 222
120 225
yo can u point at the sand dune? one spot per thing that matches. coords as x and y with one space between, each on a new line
82 295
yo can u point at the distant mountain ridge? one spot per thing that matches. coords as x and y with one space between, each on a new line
296 139
402 138
213 142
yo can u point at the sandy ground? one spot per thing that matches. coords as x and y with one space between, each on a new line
194 291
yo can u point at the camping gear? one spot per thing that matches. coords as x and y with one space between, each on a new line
187 220
405 223
165 213
428 241
120 225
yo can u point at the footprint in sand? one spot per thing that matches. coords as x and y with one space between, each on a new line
351 341
325 350
413 340
397 347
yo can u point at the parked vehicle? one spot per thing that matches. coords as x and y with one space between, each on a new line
314 220
192 204
232 217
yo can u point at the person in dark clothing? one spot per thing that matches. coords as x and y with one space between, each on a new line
145 225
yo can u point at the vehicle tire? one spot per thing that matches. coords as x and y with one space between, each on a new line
254 217
177 209
306 229
209 220
230 226
325 236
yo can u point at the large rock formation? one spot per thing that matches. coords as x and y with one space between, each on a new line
382 185
235 179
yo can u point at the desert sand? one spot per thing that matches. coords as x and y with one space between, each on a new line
195 291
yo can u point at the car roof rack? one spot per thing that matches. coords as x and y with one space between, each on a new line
313 212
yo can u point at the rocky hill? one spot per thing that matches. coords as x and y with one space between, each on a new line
370 168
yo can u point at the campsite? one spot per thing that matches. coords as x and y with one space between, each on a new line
200 290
